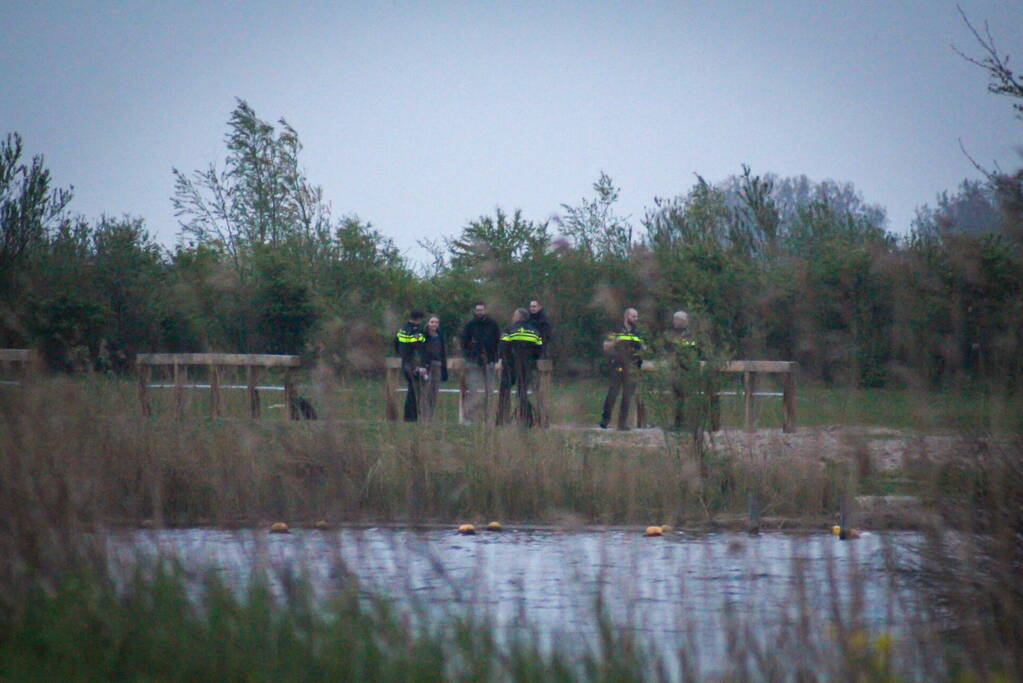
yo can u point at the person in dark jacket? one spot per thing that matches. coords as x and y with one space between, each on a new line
539 320
479 340
623 346
435 360
409 345
521 346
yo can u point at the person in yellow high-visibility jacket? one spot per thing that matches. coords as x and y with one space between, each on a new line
623 346
521 346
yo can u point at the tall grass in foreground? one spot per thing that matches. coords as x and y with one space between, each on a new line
75 452
69 468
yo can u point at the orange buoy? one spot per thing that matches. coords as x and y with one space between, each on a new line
467 530
654 531
279 528
494 526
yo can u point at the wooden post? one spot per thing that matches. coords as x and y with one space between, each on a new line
180 371
640 410
144 373
749 380
252 378
462 390
789 402
289 395
214 390
392 365
488 388
543 392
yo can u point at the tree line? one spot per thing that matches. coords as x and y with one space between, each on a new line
770 267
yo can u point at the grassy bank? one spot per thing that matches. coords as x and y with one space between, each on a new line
75 458
121 467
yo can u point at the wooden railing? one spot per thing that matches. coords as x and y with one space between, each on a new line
181 362
457 366
17 365
750 369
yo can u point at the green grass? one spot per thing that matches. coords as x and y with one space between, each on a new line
579 401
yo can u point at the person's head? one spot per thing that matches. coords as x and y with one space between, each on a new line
520 315
479 309
535 306
416 316
631 316
432 324
680 321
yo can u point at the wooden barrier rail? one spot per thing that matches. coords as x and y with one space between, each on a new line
750 369
24 362
541 392
180 362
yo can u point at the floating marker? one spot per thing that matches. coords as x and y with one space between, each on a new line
836 530
322 524
467 530
279 528
654 531
494 526
665 528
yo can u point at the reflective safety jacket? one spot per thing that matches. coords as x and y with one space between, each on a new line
685 352
519 335
409 344
628 342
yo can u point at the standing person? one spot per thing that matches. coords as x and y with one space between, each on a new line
684 359
521 345
623 345
409 344
539 320
435 360
479 339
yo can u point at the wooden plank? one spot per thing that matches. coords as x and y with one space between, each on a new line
463 388
252 380
180 371
214 391
391 389
789 403
235 359
143 373
749 380
17 355
755 366
735 366
543 392
289 396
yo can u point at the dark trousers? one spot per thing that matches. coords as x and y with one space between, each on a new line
414 395
517 370
621 380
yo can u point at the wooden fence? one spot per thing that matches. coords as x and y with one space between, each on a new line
750 370
541 390
17 366
181 362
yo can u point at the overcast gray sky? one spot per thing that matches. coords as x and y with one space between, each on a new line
420 116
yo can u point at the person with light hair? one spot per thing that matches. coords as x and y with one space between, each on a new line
684 360
623 346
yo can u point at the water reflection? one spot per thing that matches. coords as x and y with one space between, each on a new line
665 588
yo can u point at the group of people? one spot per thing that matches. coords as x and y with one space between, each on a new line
512 355
486 350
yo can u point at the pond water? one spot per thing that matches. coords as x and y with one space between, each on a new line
677 586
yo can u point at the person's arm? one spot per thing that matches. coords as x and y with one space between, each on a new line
493 341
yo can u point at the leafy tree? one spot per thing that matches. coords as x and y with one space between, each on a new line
261 197
593 226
